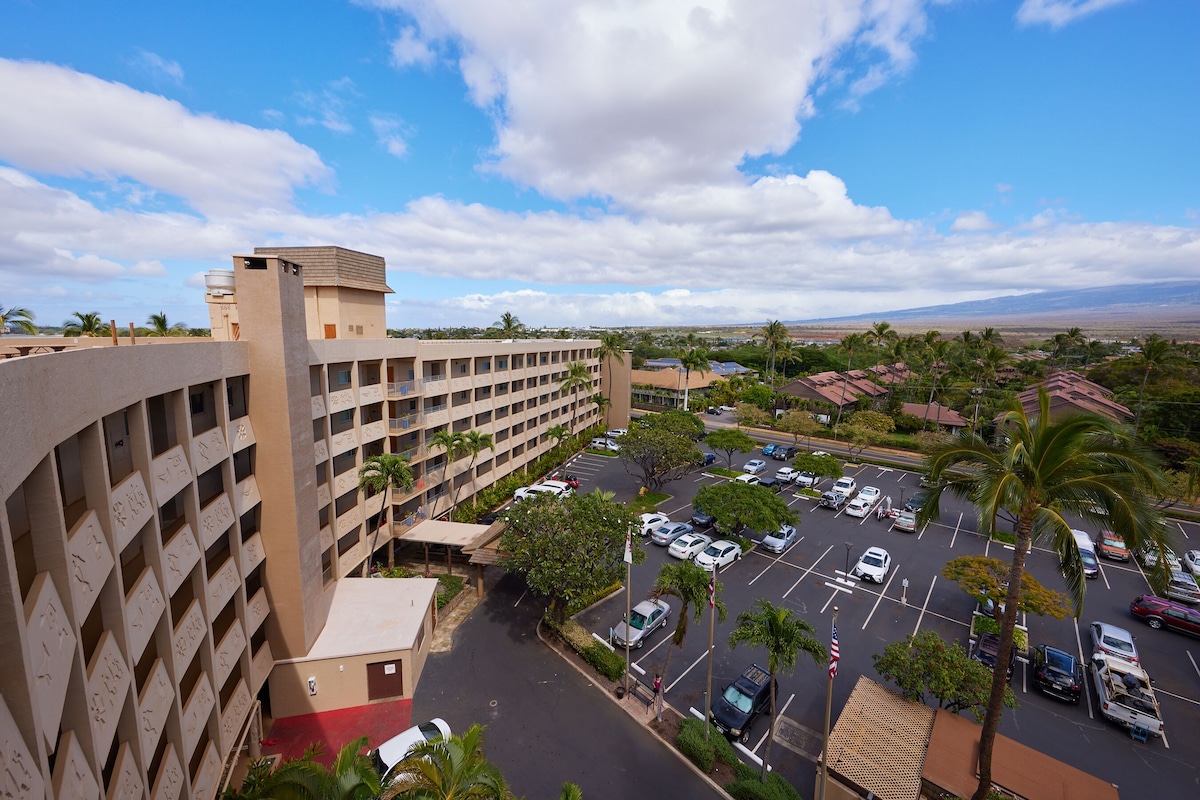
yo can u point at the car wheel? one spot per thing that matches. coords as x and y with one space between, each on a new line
1154 622
638 644
745 737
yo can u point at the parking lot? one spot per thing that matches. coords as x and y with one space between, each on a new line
809 578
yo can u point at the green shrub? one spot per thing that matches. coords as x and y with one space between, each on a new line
573 634
449 587
728 473
775 787
741 542
691 743
1008 537
584 602
605 661
721 747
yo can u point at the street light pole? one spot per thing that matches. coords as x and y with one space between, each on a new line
849 547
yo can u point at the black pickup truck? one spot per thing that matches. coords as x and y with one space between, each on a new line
734 710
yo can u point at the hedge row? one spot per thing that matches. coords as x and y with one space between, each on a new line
701 753
607 662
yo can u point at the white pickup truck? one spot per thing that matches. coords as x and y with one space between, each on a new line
1126 696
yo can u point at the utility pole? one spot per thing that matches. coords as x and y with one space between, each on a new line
833 659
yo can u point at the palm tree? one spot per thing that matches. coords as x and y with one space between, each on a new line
447 769
939 353
85 324
19 318
602 403
784 636
158 325
1036 470
508 326
773 334
1156 353
350 777
473 443
382 473
578 376
849 343
687 582
452 444
558 433
612 345
692 360
881 333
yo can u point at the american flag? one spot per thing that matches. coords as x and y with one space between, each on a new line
834 654
712 589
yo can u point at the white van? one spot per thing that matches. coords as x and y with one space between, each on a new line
1087 552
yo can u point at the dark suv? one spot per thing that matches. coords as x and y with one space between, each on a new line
1160 613
1057 673
784 453
734 710
987 647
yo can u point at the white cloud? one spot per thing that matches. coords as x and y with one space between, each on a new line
391 132
55 121
973 221
157 67
1059 13
408 49
592 99
326 106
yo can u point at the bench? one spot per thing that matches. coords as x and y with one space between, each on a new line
642 692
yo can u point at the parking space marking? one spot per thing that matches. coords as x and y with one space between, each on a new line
676 511
1189 655
879 599
1181 530
835 594
926 606
774 560
956 527
1100 567
807 571
1161 690
922 533
703 656
772 725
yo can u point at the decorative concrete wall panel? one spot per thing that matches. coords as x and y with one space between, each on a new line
246 496
143 607
126 781
253 553
372 504
73 777
351 559
168 784
320 452
343 442
433 419
179 557
91 561
189 633
222 585
323 496
154 703
318 407
51 651
370 394
348 521
240 434
326 538
195 713
171 474
20 775
346 482
462 384
374 431
204 786
341 400
234 715
260 667
131 509
107 682
208 450
228 651
215 519
257 609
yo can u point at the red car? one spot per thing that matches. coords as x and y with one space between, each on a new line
1160 613
1110 545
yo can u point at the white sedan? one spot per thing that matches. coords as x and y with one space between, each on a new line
1191 561
858 508
874 565
689 545
870 494
651 521
719 554
754 466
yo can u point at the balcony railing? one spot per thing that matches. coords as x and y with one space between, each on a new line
436 381
404 423
401 388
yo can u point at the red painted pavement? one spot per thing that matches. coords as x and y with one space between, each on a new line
291 736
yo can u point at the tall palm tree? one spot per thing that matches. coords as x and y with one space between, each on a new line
558 433
1156 353
849 344
939 354
1036 470
578 377
158 325
694 359
508 326
785 636
602 403
382 473
351 776
451 443
85 324
612 345
19 318
447 769
773 334
473 443
881 333
687 582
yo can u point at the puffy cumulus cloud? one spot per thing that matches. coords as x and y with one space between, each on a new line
973 221
408 49
56 121
593 98
1059 13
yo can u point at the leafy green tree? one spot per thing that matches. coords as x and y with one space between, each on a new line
798 422
926 667
688 583
448 769
983 577
19 318
602 404
881 335
568 548
351 776
758 396
85 324
826 466
784 636
751 416
677 421
736 506
1156 353
867 428
694 359
578 378
382 473
658 453
849 343
773 334
730 441
1035 471
159 326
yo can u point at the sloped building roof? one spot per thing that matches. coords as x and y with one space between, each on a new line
840 388
1070 393
936 413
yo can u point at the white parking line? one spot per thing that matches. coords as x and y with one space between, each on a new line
927 596
703 656
1181 530
956 527
835 594
1189 655
805 575
774 560
1086 693
879 599
777 716
1102 575
1160 690
922 533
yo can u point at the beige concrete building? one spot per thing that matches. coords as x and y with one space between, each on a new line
182 523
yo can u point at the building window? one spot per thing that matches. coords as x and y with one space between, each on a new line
343 377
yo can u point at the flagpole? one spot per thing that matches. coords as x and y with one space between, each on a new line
712 620
834 655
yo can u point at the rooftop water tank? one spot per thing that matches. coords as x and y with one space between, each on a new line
219 282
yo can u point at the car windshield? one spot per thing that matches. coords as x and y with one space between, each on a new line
1059 661
1089 560
430 731
712 550
873 561
1113 541
735 698
1118 645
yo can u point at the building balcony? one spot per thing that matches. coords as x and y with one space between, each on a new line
434 384
403 389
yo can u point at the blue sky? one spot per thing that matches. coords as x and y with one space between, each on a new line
617 162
